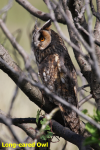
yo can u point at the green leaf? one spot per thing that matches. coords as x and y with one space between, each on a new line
90 128
50 133
98 114
85 111
37 116
87 141
96 118
43 121
48 136
43 137
99 143
90 140
48 127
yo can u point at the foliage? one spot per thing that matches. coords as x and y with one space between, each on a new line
48 134
37 116
95 133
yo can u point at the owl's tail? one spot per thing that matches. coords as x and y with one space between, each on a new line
71 118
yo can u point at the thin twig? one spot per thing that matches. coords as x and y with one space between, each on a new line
37 13
20 50
7 7
81 102
59 99
8 123
96 14
85 31
13 99
82 87
13 40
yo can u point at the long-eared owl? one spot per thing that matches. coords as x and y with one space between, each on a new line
56 70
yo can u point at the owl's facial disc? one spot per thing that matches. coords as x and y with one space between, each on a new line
42 37
45 39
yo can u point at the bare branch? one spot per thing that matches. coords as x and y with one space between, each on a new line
81 102
20 50
33 93
57 128
73 13
7 7
82 87
85 31
12 40
8 123
13 99
37 13
93 57
92 54
96 14
49 93
95 85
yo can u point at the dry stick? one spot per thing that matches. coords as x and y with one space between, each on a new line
33 93
13 99
8 123
82 29
17 122
16 88
84 64
64 37
77 34
13 40
81 102
42 129
20 50
93 55
57 128
82 93
24 55
69 136
96 14
7 7
30 8
65 103
82 87
54 6
34 11
7 32
17 74
49 93
40 85
37 13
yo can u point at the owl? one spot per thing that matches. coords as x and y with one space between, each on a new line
56 71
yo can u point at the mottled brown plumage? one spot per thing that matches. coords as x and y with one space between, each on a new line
56 70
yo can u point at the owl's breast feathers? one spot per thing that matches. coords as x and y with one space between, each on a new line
58 74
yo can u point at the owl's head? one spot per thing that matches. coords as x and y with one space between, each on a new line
41 37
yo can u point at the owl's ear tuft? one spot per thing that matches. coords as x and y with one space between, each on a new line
36 25
47 25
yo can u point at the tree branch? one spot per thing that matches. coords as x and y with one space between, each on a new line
95 85
57 128
37 13
32 92
48 93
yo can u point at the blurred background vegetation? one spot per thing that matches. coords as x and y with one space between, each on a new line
21 23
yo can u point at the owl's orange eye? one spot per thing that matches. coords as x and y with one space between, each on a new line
42 39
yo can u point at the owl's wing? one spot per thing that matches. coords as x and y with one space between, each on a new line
68 84
68 75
